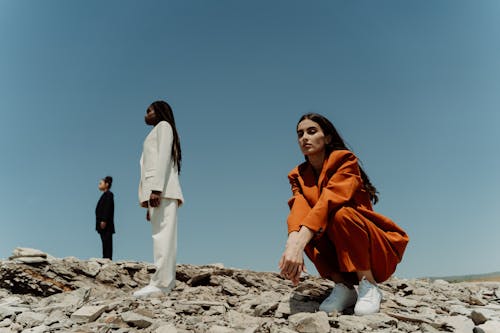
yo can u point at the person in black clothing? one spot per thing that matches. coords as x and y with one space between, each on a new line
104 217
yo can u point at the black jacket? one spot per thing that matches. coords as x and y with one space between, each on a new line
105 211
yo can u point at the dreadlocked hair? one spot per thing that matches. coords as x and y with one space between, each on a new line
164 112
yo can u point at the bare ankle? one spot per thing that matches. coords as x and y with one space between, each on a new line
338 278
368 275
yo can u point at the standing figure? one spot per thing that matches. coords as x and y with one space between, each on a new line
160 193
331 219
104 217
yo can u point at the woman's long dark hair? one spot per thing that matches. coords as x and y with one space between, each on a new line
164 112
337 143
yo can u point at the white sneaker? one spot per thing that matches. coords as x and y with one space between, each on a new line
147 291
340 299
369 299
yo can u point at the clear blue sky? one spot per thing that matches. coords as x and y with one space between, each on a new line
413 86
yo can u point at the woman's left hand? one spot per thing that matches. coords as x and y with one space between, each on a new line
154 199
292 261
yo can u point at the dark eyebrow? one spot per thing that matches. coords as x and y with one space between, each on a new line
307 129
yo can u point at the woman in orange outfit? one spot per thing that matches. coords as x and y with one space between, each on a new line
332 220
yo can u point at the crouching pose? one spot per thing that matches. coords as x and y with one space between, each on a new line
332 220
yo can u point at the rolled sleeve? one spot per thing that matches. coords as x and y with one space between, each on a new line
299 207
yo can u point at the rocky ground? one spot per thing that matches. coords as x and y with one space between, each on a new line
39 293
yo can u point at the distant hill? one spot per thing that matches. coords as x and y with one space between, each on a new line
493 277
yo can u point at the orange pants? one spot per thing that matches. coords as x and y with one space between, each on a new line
353 243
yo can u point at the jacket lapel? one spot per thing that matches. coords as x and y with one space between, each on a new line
322 174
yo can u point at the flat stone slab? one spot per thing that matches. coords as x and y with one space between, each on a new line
27 252
310 322
88 313
136 320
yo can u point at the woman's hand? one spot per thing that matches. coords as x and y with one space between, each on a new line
154 199
148 217
292 261
103 225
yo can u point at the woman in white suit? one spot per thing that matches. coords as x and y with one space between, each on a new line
161 194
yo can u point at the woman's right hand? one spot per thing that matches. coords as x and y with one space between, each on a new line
291 263
148 217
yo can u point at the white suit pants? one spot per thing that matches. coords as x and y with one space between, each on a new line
164 222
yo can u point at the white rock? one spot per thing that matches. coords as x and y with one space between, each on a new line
6 311
31 260
242 321
460 324
107 273
55 317
30 319
490 326
477 300
406 302
421 291
414 318
220 329
91 268
275 329
378 321
11 300
426 328
310 322
27 252
101 261
459 309
224 301
69 301
16 327
137 320
264 308
166 328
348 324
88 313
230 286
38 329
6 322
440 282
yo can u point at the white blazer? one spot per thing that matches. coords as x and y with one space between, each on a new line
158 172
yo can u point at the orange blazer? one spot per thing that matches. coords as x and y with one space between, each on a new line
315 200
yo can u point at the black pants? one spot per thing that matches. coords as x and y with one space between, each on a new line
107 244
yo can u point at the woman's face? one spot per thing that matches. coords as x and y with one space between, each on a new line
151 118
312 140
102 185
